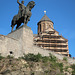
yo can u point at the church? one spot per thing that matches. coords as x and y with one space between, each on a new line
48 38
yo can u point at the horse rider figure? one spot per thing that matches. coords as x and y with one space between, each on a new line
23 15
21 8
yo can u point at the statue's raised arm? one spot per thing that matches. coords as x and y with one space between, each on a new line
18 2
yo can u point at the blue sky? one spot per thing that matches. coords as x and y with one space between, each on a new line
61 12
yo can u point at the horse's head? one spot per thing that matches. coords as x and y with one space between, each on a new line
31 4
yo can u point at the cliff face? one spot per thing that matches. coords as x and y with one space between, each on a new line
34 65
28 68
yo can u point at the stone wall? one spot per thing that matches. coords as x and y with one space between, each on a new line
36 50
24 35
20 42
7 45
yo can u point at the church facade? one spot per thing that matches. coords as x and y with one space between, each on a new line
48 38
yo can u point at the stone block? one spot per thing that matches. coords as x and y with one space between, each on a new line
24 36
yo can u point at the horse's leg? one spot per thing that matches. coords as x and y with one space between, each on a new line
12 28
18 25
28 18
25 21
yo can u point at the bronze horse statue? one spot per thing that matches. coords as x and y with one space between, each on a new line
25 17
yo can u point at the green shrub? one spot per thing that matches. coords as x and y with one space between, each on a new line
26 65
66 68
46 72
32 57
1 57
32 73
9 57
73 72
65 59
39 57
31 65
60 66
45 59
52 58
73 67
55 65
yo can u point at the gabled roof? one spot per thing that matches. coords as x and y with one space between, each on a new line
45 18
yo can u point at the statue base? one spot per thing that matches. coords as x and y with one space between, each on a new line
24 36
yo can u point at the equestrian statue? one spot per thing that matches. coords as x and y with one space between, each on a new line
23 15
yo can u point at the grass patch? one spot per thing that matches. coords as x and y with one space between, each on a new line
66 68
32 57
73 67
52 58
65 59
9 57
39 57
1 57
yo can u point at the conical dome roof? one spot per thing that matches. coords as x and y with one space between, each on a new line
45 18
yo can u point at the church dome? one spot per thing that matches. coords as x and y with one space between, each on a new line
45 18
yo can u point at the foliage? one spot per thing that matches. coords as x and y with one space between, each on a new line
45 59
31 65
52 57
48 64
73 72
1 57
55 65
66 68
9 57
47 72
65 59
60 66
39 57
73 67
32 73
32 57
25 65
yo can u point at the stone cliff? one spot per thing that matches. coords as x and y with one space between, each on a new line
31 64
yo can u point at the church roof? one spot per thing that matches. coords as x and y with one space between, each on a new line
45 18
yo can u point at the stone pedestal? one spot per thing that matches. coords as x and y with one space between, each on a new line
24 36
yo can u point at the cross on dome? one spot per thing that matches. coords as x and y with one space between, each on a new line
44 12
